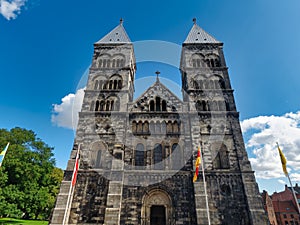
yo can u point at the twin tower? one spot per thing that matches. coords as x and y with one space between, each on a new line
137 156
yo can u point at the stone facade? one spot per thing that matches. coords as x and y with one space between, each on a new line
137 156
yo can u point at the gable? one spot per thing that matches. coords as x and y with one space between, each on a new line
157 98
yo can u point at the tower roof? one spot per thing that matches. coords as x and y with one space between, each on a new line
117 35
198 35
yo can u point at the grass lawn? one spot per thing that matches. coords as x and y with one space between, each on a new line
9 221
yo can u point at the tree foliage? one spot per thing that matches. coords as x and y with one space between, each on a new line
29 180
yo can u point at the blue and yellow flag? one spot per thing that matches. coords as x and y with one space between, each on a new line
283 160
2 154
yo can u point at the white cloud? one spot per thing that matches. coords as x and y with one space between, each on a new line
261 134
11 8
281 181
66 113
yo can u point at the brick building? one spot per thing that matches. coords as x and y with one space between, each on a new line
283 205
269 208
137 155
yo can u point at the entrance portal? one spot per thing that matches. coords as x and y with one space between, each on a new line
158 215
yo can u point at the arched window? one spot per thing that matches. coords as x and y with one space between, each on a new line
227 106
108 63
100 85
194 62
122 62
140 127
92 108
104 63
164 105
212 62
100 63
196 85
102 104
176 157
151 105
110 85
146 127
158 157
97 106
222 83
152 127
112 105
96 153
140 155
222 106
157 127
157 104
176 129
199 106
96 85
119 84
169 127
105 85
163 127
198 62
118 62
134 127
211 84
115 84
114 63
107 105
98 160
214 105
206 105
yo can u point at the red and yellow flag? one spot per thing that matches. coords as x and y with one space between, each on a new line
75 171
283 160
197 164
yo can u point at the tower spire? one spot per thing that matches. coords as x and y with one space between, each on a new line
198 35
117 35
157 74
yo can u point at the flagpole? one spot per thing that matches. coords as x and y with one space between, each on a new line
294 195
4 152
205 190
283 162
65 219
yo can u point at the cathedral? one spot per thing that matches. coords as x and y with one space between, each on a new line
137 156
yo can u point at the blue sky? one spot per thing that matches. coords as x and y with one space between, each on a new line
46 47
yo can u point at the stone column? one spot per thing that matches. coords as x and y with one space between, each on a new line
115 189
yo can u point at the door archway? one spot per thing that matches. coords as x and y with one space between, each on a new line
157 208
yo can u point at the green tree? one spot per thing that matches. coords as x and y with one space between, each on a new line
29 180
